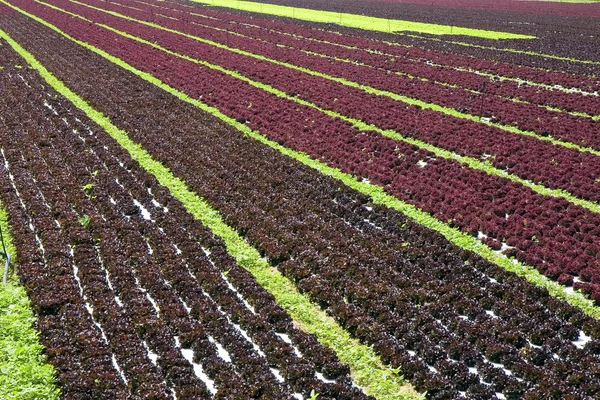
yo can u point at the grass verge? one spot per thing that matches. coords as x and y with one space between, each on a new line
367 370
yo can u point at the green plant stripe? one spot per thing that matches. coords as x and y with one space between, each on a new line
365 88
360 21
366 368
8 240
24 373
376 193
474 163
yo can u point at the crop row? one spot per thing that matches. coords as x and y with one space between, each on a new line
147 296
416 65
558 238
560 44
420 301
552 165
403 46
527 117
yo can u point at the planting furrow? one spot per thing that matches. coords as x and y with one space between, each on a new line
375 271
135 369
510 116
416 68
175 324
562 169
148 288
218 286
505 215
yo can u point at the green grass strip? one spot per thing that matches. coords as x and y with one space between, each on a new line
366 368
8 241
360 21
376 193
24 373
365 88
474 163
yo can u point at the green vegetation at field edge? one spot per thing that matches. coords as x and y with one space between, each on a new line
24 373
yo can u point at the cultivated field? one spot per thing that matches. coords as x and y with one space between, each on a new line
206 201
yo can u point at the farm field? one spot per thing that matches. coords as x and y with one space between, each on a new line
210 203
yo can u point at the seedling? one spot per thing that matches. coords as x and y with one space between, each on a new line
88 187
84 220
